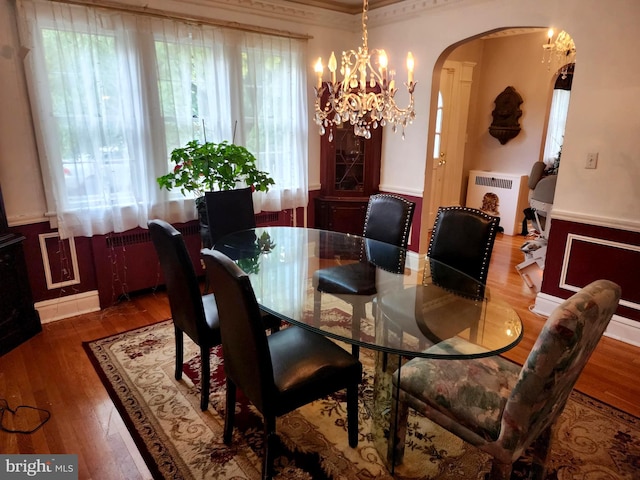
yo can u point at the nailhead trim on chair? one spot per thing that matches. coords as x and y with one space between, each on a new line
407 223
487 251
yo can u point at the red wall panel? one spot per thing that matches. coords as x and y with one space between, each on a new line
578 253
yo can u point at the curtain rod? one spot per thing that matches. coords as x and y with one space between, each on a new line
188 18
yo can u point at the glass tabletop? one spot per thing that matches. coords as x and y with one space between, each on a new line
407 304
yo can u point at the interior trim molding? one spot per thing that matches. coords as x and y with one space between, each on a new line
72 274
620 328
564 272
609 222
68 306
413 192
180 12
408 9
19 220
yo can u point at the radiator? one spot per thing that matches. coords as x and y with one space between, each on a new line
127 262
501 194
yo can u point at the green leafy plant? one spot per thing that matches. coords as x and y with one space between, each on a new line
201 167
251 263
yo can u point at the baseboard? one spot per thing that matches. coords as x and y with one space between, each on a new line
68 306
620 328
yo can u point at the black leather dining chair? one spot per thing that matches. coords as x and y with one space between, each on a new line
459 252
191 312
463 238
280 372
388 220
231 211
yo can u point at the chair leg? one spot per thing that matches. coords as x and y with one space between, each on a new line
317 303
205 377
179 351
500 471
269 439
230 411
397 431
540 451
356 318
352 415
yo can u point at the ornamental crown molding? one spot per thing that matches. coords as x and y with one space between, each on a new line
280 10
314 15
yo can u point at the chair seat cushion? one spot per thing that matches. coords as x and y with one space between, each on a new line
350 279
324 368
473 392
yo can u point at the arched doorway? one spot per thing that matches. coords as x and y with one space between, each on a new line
491 62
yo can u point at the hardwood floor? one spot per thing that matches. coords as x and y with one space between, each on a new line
52 371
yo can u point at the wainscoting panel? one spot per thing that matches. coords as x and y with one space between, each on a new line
578 254
60 260
127 262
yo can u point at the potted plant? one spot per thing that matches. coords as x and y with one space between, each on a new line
201 167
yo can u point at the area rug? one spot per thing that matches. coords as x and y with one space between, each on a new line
178 441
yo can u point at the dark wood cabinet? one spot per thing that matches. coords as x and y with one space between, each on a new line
350 174
19 320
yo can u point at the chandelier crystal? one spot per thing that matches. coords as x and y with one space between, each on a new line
561 51
365 96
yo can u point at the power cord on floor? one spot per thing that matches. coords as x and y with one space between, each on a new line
4 407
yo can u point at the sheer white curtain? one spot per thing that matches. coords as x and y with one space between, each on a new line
275 115
556 125
113 93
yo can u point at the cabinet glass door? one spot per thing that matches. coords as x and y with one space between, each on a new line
349 164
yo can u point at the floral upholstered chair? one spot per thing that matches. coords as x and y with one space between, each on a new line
495 404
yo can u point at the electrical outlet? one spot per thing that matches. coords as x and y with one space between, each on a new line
592 160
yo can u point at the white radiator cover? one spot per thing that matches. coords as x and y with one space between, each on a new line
510 190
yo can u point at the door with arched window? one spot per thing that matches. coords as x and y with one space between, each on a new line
450 136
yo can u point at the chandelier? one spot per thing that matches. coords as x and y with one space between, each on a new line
365 96
561 51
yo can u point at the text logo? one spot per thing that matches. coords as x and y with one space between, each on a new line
50 467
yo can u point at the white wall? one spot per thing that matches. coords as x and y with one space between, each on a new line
19 168
605 96
510 61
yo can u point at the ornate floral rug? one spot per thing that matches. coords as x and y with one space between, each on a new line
178 441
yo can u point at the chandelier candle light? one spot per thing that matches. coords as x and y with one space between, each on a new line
365 96
562 51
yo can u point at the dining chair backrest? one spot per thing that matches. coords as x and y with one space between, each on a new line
247 361
387 223
556 360
463 238
388 219
229 211
183 289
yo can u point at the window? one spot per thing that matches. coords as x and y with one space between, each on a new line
437 139
558 116
114 93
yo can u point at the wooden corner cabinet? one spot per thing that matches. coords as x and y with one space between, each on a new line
350 174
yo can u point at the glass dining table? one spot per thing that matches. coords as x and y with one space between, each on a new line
412 303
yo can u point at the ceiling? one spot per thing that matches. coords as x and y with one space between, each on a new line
344 6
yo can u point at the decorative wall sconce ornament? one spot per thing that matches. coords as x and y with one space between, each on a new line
364 96
506 114
561 51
